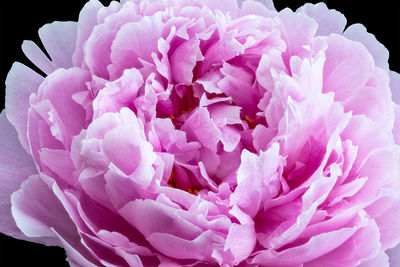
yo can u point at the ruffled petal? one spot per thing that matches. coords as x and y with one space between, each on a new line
329 20
358 33
21 82
15 167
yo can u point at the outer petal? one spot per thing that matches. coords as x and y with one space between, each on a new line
329 20
40 214
59 39
358 32
395 86
348 66
394 256
15 167
21 82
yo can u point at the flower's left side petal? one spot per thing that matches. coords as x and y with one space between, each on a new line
40 214
59 40
21 82
15 166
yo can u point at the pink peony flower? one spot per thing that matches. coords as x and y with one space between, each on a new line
201 133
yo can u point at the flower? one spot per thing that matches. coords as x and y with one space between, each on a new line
195 133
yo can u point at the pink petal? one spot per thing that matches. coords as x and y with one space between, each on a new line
184 59
59 39
394 256
381 260
97 49
15 167
58 88
257 179
21 82
37 57
264 9
348 67
36 210
395 86
200 127
135 40
363 245
297 31
358 32
151 217
329 20
86 22
318 246
238 84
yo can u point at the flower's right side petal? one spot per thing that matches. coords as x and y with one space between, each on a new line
329 20
21 82
15 166
357 32
395 86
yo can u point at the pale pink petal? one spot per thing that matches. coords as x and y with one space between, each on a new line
37 57
15 167
150 217
36 210
329 20
348 66
297 31
381 260
242 238
396 128
394 256
386 212
395 86
86 22
362 246
225 6
59 40
358 32
314 248
21 82
264 8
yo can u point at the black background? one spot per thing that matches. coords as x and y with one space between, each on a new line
20 20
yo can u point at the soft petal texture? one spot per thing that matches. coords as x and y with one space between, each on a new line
329 20
21 82
15 167
358 32
204 133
